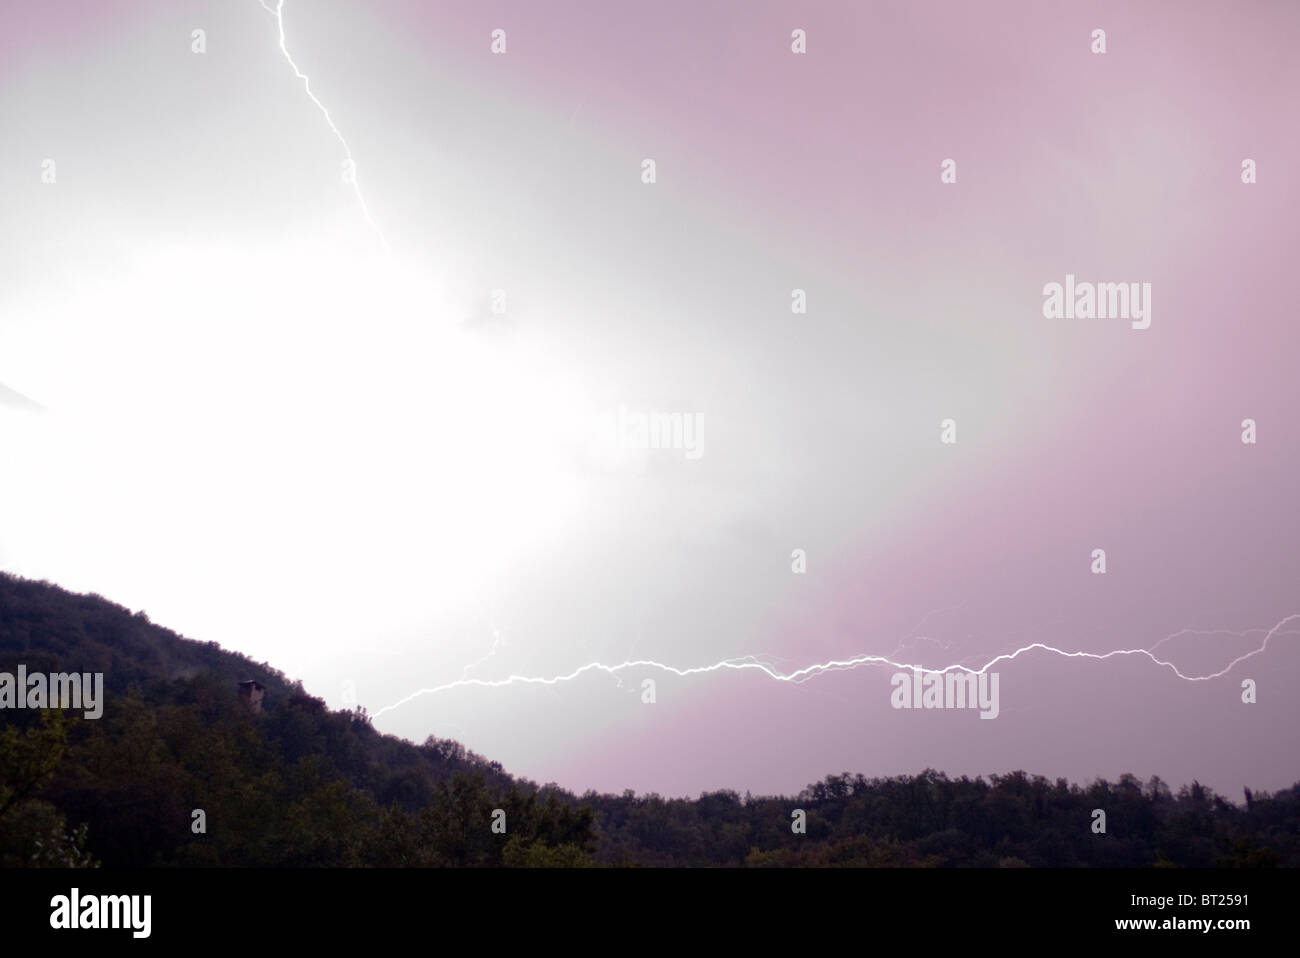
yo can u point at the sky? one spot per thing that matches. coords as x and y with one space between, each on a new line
367 429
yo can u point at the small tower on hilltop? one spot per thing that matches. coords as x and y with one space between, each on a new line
251 692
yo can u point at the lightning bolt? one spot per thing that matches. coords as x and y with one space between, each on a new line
748 663
496 643
278 12
744 663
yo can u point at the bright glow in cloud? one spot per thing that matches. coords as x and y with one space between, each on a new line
322 432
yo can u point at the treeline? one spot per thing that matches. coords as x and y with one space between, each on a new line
179 772
930 820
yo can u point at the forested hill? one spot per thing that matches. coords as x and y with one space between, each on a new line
293 785
296 784
51 630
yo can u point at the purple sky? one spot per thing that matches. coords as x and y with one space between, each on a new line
266 430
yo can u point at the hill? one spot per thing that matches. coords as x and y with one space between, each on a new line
180 771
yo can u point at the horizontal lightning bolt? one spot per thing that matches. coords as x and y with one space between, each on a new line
748 663
278 12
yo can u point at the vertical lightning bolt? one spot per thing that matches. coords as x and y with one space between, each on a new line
496 644
278 12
